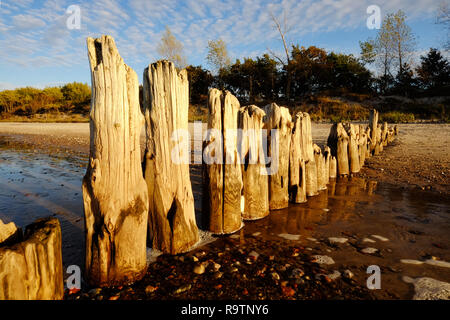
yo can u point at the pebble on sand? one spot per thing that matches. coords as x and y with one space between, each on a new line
337 240
323 259
369 250
368 240
429 288
288 236
381 238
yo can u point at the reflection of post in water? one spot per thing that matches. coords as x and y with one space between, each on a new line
371 187
295 220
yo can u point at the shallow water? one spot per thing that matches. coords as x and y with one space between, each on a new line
416 224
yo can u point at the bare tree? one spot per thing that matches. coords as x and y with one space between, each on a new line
402 37
283 30
171 48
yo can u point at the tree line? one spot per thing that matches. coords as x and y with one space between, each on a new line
74 97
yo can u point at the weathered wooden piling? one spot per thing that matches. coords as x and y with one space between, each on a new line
297 166
222 167
279 119
172 225
320 165
353 142
31 264
254 172
338 142
114 190
373 125
308 153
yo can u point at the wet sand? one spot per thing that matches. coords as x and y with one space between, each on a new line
43 177
419 158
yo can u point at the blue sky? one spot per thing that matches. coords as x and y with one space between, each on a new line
37 49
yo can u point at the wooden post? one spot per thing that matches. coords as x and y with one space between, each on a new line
308 153
254 172
384 134
327 157
353 153
379 143
222 169
368 143
279 119
31 269
172 225
297 166
338 143
333 167
320 165
362 146
373 125
114 190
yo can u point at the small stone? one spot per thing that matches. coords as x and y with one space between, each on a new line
288 236
218 275
253 255
216 266
297 273
380 237
199 269
348 274
150 289
275 276
323 259
288 291
368 240
369 250
194 258
183 289
335 240
113 298
256 234
335 275
95 292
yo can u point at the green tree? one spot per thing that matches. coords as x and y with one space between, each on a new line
434 71
368 54
199 82
76 93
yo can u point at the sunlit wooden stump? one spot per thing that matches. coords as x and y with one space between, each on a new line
114 190
31 264
222 166
279 123
254 172
172 225
297 165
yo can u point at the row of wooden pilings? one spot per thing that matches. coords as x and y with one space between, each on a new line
128 203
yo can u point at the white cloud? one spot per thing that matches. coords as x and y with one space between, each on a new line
25 22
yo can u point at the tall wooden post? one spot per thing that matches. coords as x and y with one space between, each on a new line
308 153
114 190
338 143
254 172
172 225
353 143
297 166
373 125
279 119
222 166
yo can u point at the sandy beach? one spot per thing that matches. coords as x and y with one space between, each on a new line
419 158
